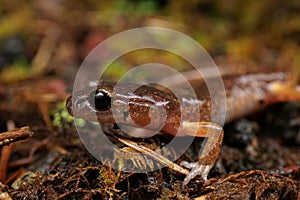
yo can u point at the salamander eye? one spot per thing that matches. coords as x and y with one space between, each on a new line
101 100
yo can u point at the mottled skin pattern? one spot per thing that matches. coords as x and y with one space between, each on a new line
245 94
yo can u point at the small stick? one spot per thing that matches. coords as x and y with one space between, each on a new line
155 156
8 138
15 135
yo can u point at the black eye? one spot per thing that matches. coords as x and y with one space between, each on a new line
101 100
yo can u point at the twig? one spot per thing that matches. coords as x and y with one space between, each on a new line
15 135
7 138
154 155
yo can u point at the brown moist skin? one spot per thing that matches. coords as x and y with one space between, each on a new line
245 94
132 105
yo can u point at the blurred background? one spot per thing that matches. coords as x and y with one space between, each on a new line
52 38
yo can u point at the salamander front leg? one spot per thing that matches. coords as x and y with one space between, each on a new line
209 152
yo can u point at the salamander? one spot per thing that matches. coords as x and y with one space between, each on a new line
246 93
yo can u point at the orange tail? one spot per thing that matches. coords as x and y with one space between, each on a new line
280 92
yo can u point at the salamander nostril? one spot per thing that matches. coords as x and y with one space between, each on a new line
100 99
